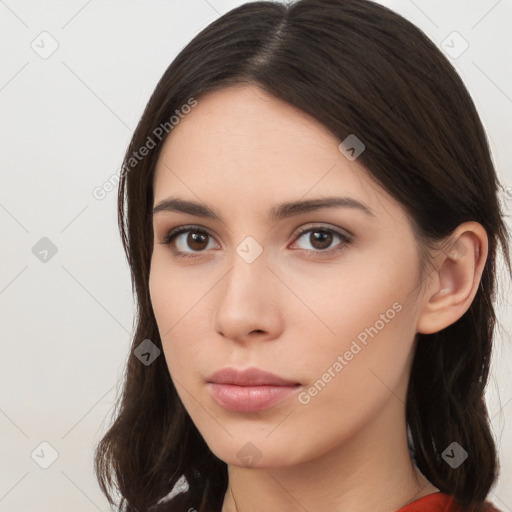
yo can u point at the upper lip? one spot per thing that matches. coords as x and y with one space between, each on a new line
248 377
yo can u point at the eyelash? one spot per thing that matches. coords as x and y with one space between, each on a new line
345 240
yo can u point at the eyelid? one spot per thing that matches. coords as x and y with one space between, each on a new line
321 226
346 238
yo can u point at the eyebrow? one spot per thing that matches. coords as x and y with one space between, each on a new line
279 212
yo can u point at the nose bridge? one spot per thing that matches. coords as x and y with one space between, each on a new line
247 300
246 277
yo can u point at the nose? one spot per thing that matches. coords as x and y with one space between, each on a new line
247 302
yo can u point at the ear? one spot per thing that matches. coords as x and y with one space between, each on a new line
453 283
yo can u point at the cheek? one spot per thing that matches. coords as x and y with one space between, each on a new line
173 293
354 373
177 299
340 302
365 315
166 295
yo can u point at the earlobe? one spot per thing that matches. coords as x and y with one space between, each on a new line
454 282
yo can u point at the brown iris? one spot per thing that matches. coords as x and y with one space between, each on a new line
320 239
197 241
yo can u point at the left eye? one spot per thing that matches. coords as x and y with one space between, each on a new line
320 239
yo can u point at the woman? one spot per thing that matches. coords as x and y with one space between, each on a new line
310 213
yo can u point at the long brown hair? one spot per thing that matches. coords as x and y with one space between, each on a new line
358 68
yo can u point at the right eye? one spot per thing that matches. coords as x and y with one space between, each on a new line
187 240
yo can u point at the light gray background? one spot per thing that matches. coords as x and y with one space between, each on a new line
66 121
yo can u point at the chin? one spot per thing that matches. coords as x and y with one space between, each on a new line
256 454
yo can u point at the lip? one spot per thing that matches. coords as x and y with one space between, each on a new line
249 377
250 390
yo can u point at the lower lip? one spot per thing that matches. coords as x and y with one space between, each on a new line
249 398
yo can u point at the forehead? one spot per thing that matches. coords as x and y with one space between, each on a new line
241 145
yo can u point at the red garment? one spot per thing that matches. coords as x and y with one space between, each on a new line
439 502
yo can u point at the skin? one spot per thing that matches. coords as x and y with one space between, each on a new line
243 151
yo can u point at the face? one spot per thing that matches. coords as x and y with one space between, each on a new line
250 270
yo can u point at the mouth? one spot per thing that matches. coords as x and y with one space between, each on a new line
251 390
